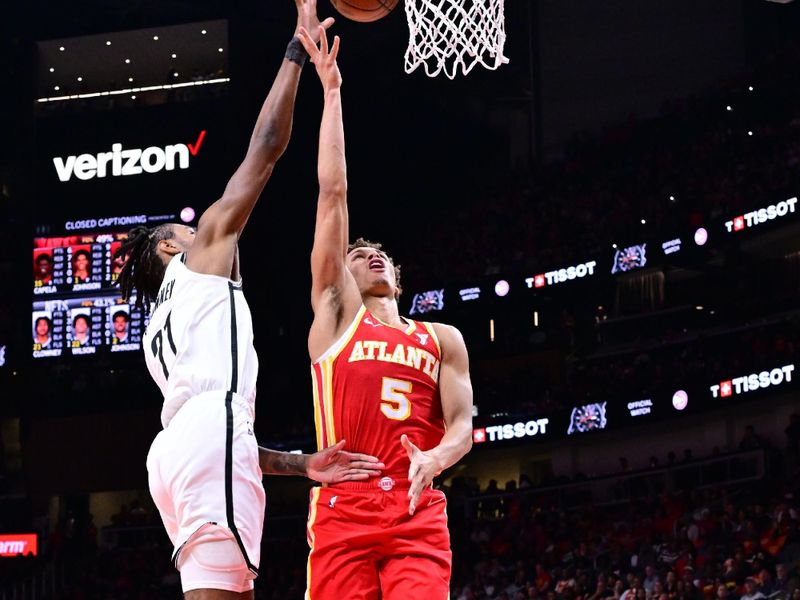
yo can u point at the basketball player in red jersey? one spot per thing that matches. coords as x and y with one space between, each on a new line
392 387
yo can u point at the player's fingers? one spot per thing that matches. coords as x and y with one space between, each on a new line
406 443
360 464
323 41
356 476
364 457
337 446
335 49
328 23
307 42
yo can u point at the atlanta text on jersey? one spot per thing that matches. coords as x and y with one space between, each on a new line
410 356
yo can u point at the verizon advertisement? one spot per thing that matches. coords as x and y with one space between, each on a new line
18 544
153 158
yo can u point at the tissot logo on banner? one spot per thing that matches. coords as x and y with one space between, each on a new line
755 381
496 433
122 162
18 543
762 215
561 275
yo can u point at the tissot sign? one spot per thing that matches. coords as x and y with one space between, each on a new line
123 161
751 382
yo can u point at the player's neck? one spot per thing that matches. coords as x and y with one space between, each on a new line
385 309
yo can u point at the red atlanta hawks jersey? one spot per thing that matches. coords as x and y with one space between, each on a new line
375 384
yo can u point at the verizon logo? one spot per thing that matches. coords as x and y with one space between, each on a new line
129 161
16 544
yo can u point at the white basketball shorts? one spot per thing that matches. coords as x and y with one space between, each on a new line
203 470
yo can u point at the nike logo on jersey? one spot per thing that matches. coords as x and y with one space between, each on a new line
332 501
410 356
372 323
423 338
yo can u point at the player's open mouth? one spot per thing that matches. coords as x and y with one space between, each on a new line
376 265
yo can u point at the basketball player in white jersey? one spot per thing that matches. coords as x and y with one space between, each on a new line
205 467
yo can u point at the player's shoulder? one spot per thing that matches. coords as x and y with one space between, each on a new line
448 335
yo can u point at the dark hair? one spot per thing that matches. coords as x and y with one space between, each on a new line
79 252
143 270
43 256
81 316
362 243
121 313
46 320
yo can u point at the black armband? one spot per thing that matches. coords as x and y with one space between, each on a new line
295 52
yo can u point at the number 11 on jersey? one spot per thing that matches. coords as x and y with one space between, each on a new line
395 404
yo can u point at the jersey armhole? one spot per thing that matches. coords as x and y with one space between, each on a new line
333 351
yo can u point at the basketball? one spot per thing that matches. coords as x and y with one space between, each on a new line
364 11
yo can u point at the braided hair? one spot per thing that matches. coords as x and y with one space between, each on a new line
143 270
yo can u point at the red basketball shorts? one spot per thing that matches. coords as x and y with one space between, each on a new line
365 545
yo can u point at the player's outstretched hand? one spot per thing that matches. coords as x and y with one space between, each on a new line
421 472
308 19
323 59
335 465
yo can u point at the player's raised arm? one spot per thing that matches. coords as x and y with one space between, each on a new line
221 225
334 295
455 389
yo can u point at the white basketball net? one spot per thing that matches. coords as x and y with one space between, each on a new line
444 34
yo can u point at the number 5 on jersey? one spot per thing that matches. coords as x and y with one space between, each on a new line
394 403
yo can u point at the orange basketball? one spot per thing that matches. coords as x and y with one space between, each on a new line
364 11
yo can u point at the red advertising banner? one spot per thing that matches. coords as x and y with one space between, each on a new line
15 544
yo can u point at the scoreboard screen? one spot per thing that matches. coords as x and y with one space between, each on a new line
77 306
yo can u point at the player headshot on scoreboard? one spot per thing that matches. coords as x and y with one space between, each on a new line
81 326
81 266
42 266
119 324
117 261
42 329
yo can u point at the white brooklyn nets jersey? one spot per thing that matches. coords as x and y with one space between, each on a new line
200 338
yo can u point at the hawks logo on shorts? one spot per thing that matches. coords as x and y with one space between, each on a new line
385 382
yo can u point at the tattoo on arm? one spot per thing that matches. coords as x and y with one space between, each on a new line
273 462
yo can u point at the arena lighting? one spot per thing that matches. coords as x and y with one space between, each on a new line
155 38
501 288
729 108
130 79
749 133
491 330
52 70
644 222
56 88
219 49
149 88
127 61
698 307
174 56
680 400
133 97
750 87
108 42
80 78
614 246
61 49
175 74
203 32
701 236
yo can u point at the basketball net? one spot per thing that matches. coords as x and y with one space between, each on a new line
444 34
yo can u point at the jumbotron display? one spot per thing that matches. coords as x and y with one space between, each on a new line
77 306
